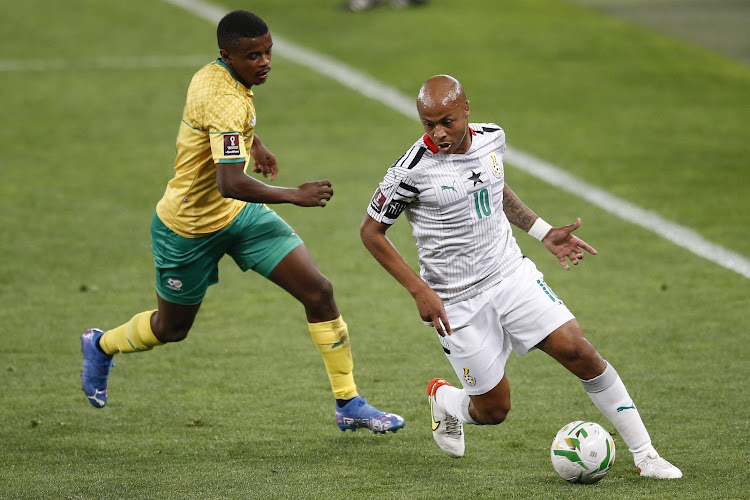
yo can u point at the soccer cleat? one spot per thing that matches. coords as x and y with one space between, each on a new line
655 466
447 430
95 370
357 414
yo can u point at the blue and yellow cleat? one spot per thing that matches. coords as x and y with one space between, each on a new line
358 414
95 370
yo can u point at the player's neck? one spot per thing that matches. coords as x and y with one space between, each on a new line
465 143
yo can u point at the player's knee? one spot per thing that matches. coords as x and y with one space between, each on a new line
494 416
320 297
172 333
175 335
583 360
578 351
326 289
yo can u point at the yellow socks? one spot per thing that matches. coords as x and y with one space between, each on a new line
330 337
135 335
332 340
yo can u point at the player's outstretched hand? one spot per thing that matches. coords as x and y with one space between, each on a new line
314 194
561 242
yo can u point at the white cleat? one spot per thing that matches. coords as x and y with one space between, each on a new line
655 466
447 430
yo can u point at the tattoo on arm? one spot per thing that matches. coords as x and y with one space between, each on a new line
517 213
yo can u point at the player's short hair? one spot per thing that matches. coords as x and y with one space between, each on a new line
236 25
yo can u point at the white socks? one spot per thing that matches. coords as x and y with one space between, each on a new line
455 402
612 399
608 394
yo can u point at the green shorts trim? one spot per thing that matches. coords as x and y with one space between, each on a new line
257 239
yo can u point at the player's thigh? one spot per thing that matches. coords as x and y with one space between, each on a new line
478 348
528 308
261 239
185 267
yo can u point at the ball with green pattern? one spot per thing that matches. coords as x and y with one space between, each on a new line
582 452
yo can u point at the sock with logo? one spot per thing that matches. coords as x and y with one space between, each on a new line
135 335
610 396
455 402
332 340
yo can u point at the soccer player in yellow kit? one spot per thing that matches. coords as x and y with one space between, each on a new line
211 207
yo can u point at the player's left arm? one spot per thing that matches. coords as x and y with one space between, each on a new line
264 162
558 240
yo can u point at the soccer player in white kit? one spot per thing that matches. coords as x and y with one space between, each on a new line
483 297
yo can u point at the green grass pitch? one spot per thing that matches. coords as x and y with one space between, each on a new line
242 408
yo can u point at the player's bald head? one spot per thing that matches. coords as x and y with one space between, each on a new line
441 91
444 113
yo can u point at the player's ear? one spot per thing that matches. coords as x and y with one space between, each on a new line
224 55
467 109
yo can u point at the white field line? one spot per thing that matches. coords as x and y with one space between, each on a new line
677 234
139 62
370 87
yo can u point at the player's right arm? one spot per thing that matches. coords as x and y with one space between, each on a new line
225 119
429 305
233 182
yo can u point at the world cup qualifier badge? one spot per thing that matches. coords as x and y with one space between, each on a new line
377 201
231 144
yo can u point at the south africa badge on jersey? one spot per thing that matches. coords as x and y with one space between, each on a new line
497 165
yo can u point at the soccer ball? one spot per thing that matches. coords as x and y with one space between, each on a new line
582 452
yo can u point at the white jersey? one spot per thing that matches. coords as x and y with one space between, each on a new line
454 205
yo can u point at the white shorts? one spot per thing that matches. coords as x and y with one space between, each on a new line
516 314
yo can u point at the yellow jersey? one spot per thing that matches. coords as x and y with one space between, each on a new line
218 125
